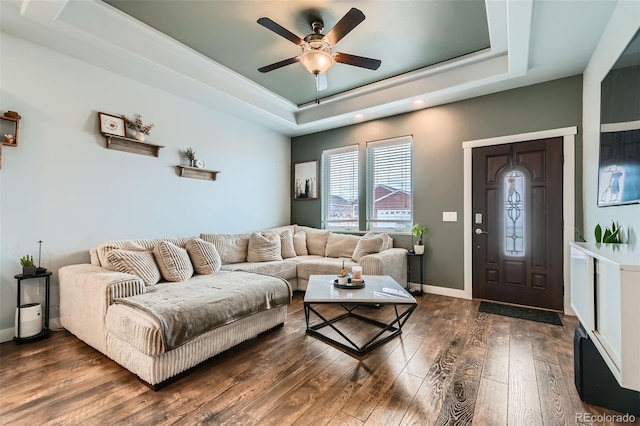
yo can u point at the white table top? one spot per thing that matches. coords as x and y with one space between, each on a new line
377 289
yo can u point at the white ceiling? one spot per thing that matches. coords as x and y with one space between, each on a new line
531 41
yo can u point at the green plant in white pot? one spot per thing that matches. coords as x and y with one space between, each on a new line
419 231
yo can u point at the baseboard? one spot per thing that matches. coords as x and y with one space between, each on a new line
7 334
441 291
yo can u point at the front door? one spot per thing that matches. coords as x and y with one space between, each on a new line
517 223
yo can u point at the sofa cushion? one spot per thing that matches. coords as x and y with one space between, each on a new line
231 247
316 239
264 247
173 261
286 242
300 243
138 263
367 245
341 245
323 266
204 256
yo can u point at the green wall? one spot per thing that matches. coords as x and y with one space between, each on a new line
438 134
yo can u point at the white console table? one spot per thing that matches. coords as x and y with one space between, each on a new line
605 295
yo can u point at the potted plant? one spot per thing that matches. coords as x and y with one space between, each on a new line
610 235
419 231
28 267
136 125
191 156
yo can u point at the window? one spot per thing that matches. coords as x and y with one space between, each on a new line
340 196
389 185
514 214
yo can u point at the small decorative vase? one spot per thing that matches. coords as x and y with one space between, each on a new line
140 136
192 163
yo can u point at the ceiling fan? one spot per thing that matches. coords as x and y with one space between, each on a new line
316 54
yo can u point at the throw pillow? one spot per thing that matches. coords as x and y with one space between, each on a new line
204 256
286 242
300 243
264 247
173 261
367 245
341 245
138 263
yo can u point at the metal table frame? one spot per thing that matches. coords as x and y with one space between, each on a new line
395 326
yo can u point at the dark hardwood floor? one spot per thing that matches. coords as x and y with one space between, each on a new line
451 365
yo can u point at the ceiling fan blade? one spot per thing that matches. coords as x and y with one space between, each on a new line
280 64
321 82
358 61
348 22
280 30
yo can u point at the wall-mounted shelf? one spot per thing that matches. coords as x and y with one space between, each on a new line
133 146
9 125
196 173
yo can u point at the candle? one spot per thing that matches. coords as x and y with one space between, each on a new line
356 271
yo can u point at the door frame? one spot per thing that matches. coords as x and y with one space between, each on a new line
568 135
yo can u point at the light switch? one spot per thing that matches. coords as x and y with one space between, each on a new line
449 216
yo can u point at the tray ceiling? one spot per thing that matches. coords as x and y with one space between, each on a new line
405 35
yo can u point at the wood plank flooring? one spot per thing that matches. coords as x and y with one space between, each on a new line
451 365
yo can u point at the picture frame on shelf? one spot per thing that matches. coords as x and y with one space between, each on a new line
111 125
305 180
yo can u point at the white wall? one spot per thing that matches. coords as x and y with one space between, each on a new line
623 24
62 186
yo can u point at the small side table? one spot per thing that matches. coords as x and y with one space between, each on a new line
411 254
45 331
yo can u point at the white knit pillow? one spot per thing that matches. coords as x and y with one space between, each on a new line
367 245
138 263
173 261
300 243
286 243
264 247
204 256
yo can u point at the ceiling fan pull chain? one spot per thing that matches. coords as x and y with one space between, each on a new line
316 76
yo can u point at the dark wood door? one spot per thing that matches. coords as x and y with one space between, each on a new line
517 223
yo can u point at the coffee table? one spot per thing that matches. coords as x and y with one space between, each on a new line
380 292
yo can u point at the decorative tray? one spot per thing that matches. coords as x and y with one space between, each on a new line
348 285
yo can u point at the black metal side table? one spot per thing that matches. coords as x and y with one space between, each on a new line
411 254
45 331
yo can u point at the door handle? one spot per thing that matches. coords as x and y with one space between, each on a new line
480 231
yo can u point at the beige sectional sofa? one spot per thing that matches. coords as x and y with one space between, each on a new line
130 302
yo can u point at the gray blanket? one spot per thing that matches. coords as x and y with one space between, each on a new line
188 309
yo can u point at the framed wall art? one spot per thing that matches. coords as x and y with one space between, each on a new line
305 180
111 124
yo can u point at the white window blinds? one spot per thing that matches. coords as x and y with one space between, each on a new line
389 185
340 183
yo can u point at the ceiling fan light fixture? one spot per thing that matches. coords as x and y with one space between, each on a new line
316 61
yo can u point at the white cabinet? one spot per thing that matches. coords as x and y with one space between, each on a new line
605 295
